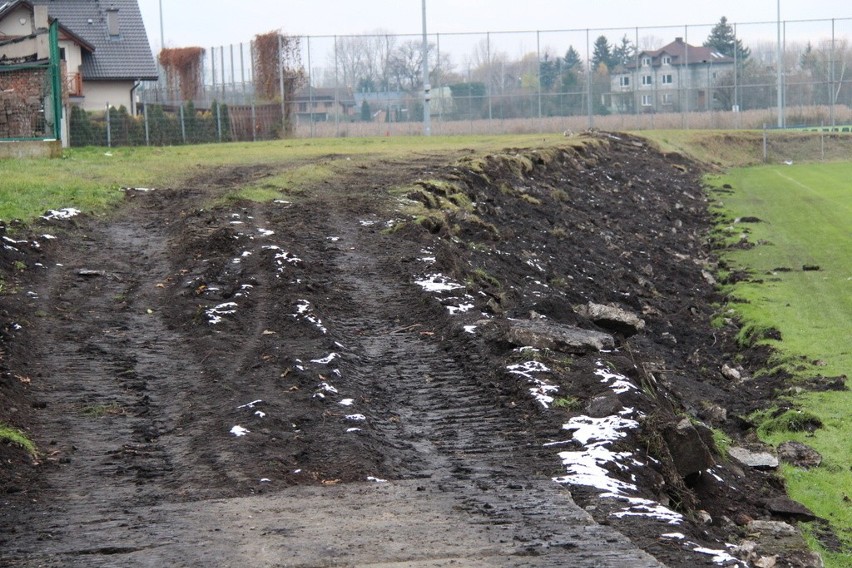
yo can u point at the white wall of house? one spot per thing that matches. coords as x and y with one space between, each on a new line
73 55
100 93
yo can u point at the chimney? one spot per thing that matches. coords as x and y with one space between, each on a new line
40 17
678 40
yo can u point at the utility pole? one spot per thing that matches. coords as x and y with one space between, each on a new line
780 80
162 35
427 119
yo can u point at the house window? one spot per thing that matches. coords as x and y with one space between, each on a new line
624 81
666 79
647 80
667 60
62 54
667 99
647 100
646 62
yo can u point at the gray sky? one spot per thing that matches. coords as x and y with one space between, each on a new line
219 22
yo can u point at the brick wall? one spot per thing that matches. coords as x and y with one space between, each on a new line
21 115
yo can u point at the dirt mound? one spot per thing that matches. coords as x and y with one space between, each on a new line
508 335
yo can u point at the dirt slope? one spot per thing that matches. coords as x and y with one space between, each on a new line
333 381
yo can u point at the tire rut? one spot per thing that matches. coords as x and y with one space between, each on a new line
138 404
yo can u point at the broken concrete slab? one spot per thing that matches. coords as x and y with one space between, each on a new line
612 318
546 335
756 460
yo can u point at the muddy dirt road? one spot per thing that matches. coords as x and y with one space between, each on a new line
329 381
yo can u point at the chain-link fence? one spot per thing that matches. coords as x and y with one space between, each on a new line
489 83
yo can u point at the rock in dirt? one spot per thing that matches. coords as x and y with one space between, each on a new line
756 460
773 528
612 318
689 452
799 454
786 507
731 373
556 337
604 405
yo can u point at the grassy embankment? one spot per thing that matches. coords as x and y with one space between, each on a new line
806 220
806 213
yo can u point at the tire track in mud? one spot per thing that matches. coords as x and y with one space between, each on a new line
136 409
459 440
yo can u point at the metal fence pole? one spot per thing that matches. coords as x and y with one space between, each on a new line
147 130
833 99
182 125
589 80
281 86
253 123
108 127
490 77
219 120
538 73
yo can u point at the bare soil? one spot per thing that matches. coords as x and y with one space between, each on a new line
265 383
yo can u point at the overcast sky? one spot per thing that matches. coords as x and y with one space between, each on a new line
219 22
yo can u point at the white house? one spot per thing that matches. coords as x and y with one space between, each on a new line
677 77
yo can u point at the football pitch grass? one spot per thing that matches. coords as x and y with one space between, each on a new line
801 285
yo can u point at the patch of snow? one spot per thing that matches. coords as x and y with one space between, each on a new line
265 232
356 417
215 314
676 535
719 556
367 223
251 404
599 431
260 414
348 430
265 480
646 508
48 237
618 383
325 387
239 431
346 402
326 360
437 283
376 479
470 329
460 309
542 390
586 468
333 239
65 213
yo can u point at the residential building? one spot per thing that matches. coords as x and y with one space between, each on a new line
105 49
321 104
677 77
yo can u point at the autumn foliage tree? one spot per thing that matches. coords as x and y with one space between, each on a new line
183 67
274 54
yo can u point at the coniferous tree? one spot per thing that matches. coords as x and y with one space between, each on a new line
572 59
602 53
723 39
624 52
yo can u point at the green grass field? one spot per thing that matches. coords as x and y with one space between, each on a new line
806 214
90 179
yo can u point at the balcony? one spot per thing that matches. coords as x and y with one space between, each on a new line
74 84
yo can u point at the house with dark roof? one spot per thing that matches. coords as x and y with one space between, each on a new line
677 77
103 45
